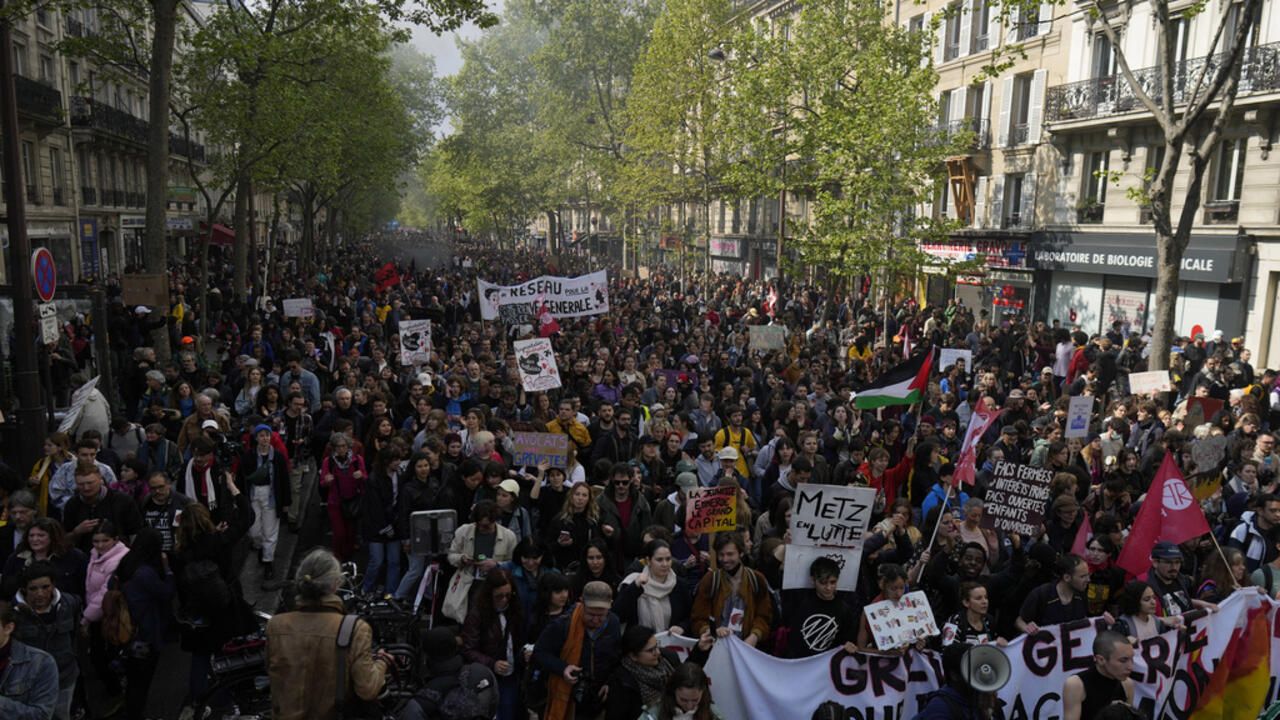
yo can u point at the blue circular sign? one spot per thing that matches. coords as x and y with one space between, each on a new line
45 274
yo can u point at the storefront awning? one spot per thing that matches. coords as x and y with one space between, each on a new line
222 235
1209 258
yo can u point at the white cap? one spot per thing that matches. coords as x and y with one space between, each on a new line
727 453
142 310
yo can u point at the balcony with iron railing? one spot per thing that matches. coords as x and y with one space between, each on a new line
33 194
1015 221
951 51
38 101
980 43
979 127
179 145
94 115
1113 95
1090 213
88 195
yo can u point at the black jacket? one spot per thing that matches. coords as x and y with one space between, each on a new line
378 509
282 489
115 506
625 701
435 494
625 604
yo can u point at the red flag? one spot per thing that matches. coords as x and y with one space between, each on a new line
547 325
386 277
1083 536
771 303
966 466
1169 512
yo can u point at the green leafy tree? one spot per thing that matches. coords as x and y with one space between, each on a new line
839 107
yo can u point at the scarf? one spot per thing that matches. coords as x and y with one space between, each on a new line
206 493
653 608
652 680
559 691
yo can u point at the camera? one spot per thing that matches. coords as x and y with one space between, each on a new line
582 689
225 450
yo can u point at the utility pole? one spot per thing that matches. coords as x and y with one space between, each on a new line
32 418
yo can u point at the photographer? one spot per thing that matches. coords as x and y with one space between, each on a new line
196 424
302 652
205 479
578 652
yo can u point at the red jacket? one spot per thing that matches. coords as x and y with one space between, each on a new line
893 478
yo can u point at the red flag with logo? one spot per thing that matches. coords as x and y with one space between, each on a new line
1083 536
547 325
1169 513
966 467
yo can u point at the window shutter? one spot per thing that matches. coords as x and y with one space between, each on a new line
1006 111
980 203
1035 108
993 27
997 202
966 26
957 104
1028 210
1046 18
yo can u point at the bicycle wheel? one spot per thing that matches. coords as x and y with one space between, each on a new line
242 697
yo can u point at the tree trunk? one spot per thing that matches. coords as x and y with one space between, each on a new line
308 250
240 283
165 15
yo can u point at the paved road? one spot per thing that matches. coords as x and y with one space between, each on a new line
169 689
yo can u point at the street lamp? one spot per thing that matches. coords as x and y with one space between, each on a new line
717 54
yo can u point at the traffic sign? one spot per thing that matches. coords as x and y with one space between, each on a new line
48 323
45 273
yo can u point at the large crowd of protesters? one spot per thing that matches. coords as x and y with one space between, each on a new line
561 581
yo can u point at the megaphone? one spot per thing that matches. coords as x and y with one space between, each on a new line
985 668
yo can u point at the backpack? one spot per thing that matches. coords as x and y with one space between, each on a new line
118 629
470 695
207 591
350 707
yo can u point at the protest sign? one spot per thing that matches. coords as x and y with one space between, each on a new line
298 307
533 448
151 289
673 376
1233 653
713 509
1017 498
1150 383
1200 410
948 357
1079 410
537 363
827 521
564 297
415 342
678 644
1208 452
79 399
767 337
894 624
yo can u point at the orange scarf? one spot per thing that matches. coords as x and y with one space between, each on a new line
559 691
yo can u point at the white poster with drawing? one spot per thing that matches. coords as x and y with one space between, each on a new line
1079 410
537 362
894 624
948 356
415 342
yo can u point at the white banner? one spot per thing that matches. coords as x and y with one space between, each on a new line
1171 672
767 337
415 342
827 521
1150 383
537 362
565 297
79 399
298 307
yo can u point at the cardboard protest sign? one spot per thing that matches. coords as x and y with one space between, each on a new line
1150 383
151 289
298 307
894 624
714 509
1017 498
948 357
767 337
1208 452
1079 411
537 363
1200 410
533 448
415 342
827 521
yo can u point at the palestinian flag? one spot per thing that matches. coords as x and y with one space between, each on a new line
903 385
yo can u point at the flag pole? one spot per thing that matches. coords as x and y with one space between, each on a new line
1225 564
946 504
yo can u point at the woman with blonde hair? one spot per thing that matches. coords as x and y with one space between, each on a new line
56 453
576 526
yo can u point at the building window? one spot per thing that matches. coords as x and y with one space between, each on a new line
55 175
944 199
944 108
1155 158
1096 177
1229 169
31 171
73 74
1019 121
20 59
916 24
981 22
47 73
1013 210
720 222
955 16
1028 22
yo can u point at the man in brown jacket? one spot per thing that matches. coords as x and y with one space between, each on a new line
193 426
302 649
733 599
